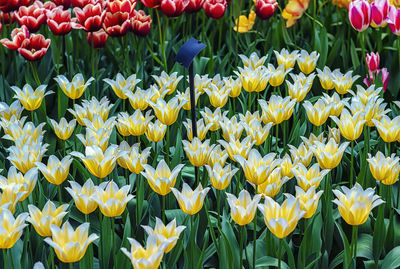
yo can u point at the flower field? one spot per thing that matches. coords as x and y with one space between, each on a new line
267 141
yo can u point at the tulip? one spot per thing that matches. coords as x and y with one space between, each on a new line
137 123
194 6
185 96
165 233
65 3
24 157
254 80
288 59
56 171
112 200
12 228
98 138
151 3
116 24
365 95
334 134
218 96
90 17
235 147
373 61
126 6
190 201
90 108
161 179
213 118
337 103
98 163
360 15
231 127
64 129
318 113
82 3
131 159
329 155
394 20
244 24
294 10
308 200
385 78
379 13
307 62
343 83
12 5
220 177
235 86
350 126
272 186
168 82
32 17
155 132
355 204
138 100
286 166
310 142
41 220
217 156
173 8
75 88
167 113
83 196
10 195
281 220
243 208
18 35
99 39
34 48
141 23
249 117
197 151
388 129
201 129
306 178
277 109
298 91
254 61
25 182
149 257
59 21
386 170
277 74
30 99
257 132
265 8
7 111
70 245
257 168
302 154
325 78
215 9
15 132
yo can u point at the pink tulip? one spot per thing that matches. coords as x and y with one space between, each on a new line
385 78
394 20
379 13
360 15
373 61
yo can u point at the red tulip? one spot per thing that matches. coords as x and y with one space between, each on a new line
7 18
81 3
394 20
49 6
373 61
173 8
141 23
379 13
116 24
215 8
360 15
18 35
265 8
34 47
194 6
59 21
385 78
1 27
12 5
90 17
122 6
151 3
99 39
65 3
33 17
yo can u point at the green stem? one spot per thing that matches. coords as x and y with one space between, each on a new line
279 253
114 244
167 147
241 246
218 207
32 116
351 164
160 32
363 47
276 138
59 193
192 240
354 242
5 258
92 63
163 208
52 258
254 240
35 74
71 265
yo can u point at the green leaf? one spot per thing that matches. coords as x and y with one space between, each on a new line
346 253
392 259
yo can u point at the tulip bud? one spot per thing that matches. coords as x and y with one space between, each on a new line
173 8
141 23
394 20
373 61
194 6
265 8
99 39
360 15
385 78
215 8
379 13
